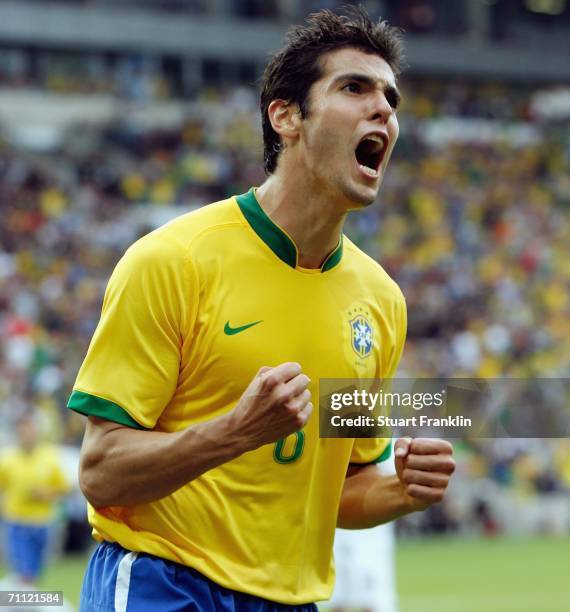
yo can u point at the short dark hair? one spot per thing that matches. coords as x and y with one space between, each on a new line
293 70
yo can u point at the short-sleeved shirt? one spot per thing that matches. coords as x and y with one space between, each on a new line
192 311
21 473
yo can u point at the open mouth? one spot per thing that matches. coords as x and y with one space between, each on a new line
370 153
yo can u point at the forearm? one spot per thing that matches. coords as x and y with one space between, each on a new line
128 466
370 498
121 466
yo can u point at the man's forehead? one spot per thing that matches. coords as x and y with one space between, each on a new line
351 60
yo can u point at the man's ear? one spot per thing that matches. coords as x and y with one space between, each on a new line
285 118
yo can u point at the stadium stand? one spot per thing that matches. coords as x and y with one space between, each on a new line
101 141
475 228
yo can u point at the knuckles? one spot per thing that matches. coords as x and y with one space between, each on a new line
430 495
450 465
269 382
284 396
426 463
427 445
298 402
300 420
286 402
428 479
292 409
437 495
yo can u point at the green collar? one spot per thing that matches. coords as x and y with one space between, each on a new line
274 237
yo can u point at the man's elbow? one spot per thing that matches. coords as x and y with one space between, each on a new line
350 511
96 463
351 515
93 483
345 522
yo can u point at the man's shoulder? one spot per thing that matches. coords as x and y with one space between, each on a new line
210 217
371 271
172 241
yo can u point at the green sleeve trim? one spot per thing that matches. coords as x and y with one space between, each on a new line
384 455
88 404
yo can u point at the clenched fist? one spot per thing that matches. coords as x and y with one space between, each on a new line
275 404
424 468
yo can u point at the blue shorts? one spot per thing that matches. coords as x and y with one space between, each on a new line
26 548
118 580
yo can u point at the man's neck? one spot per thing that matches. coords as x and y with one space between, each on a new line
306 214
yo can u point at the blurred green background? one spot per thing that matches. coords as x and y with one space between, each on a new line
441 575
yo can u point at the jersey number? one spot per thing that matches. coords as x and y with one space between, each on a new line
283 452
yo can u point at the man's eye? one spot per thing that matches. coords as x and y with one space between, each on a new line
353 87
393 99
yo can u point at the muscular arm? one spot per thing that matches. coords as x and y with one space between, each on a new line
120 466
370 498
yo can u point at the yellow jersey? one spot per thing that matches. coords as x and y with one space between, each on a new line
191 312
21 473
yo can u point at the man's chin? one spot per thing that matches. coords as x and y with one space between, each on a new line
362 196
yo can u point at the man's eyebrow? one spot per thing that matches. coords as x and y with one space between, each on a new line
364 79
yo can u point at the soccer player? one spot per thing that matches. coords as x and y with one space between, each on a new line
208 485
32 481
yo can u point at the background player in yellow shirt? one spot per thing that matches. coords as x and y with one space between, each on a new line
31 482
208 484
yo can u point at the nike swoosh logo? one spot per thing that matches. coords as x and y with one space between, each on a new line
231 331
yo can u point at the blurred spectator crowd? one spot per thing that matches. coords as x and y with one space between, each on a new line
511 20
476 232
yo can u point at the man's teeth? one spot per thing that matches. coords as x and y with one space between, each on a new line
369 171
379 143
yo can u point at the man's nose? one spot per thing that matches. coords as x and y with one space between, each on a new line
381 110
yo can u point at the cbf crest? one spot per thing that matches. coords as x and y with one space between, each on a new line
361 332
